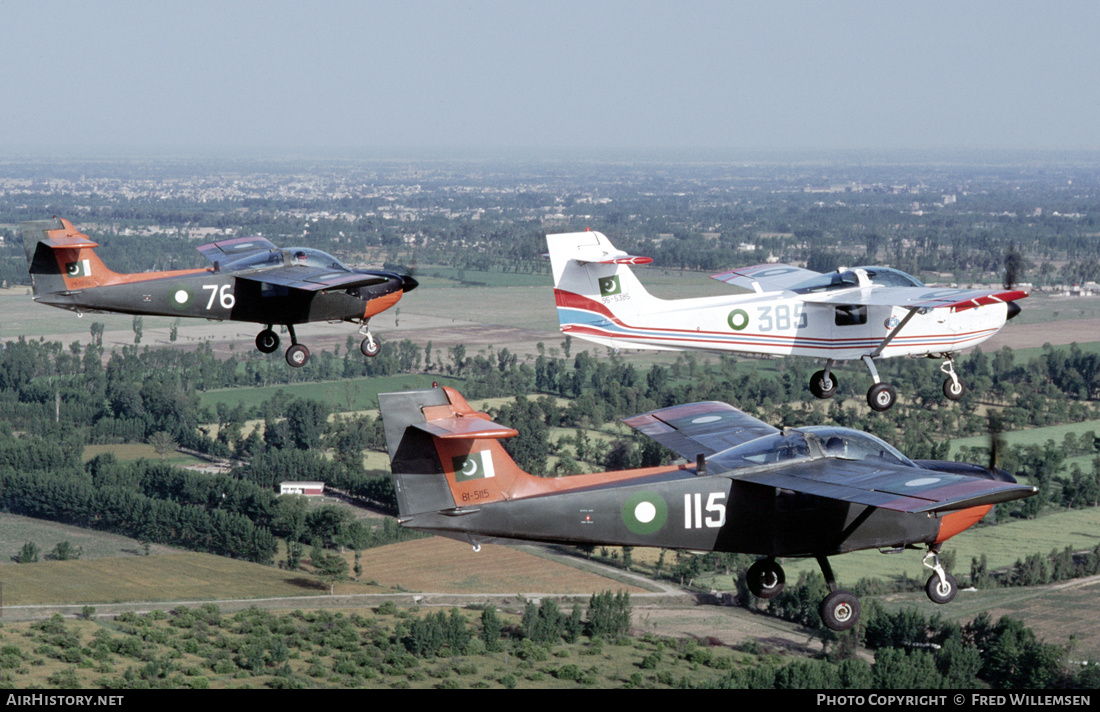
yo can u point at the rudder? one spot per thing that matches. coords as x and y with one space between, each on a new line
443 454
61 258
594 285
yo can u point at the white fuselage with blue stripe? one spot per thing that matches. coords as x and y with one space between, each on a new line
599 299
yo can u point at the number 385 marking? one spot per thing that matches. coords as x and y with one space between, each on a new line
781 317
224 296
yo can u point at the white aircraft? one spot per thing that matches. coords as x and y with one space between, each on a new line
864 313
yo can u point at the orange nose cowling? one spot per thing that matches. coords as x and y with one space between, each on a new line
955 522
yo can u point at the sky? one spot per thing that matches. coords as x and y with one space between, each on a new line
775 75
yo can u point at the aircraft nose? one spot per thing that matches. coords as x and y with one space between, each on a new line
1013 310
408 284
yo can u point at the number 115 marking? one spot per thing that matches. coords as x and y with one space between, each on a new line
694 510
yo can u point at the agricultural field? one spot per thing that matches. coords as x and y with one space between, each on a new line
1030 436
125 573
204 647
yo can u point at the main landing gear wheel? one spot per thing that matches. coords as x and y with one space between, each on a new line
881 396
369 346
267 341
765 579
941 591
297 355
840 610
823 384
953 389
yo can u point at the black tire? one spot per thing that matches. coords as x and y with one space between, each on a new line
365 347
840 610
952 390
267 341
823 386
297 356
881 397
765 579
941 592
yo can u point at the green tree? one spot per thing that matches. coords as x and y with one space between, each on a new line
28 554
331 567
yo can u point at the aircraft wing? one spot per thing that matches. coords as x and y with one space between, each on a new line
879 483
314 279
766 278
228 251
916 297
707 427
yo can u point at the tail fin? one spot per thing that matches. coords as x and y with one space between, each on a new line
445 455
61 258
594 285
447 458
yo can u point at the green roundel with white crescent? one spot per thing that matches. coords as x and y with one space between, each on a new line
738 319
645 512
180 296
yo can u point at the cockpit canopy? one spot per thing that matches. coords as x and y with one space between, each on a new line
856 277
809 443
304 256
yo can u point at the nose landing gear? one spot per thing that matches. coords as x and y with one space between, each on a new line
941 586
368 346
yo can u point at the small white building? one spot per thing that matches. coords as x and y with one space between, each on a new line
309 489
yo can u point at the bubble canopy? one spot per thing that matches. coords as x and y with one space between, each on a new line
809 443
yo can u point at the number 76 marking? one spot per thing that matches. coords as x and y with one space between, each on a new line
224 296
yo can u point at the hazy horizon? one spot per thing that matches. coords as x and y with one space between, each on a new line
490 77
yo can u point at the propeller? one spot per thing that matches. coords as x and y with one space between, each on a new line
996 445
1013 266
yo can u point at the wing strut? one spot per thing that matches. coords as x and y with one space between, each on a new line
890 337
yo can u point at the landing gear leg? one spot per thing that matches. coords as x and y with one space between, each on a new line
880 396
953 388
368 346
840 609
297 355
823 383
941 586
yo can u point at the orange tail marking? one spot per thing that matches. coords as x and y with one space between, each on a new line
81 268
479 470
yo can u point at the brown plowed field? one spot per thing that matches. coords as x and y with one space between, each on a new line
440 565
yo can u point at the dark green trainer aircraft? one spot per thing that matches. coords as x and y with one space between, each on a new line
251 280
746 487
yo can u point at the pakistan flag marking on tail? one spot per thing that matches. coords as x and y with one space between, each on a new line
645 512
80 268
610 286
475 466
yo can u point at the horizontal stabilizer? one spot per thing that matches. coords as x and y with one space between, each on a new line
466 429
58 234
